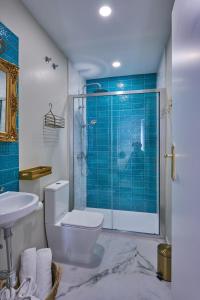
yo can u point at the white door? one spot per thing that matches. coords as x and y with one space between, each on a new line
186 137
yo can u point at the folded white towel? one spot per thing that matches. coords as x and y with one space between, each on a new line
7 294
26 289
43 276
28 264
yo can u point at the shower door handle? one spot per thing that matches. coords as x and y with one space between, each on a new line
173 162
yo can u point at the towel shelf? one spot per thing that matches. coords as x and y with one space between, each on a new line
35 173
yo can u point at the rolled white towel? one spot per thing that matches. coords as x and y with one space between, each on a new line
28 264
26 289
43 273
7 294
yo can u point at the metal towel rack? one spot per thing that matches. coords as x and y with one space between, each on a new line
52 120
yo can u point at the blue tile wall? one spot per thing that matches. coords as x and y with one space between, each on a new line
9 152
122 146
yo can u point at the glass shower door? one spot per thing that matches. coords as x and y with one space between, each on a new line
121 159
135 162
99 157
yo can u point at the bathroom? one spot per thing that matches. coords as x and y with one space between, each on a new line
97 133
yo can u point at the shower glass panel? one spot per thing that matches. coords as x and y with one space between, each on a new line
120 163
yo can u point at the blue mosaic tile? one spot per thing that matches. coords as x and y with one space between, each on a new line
9 152
122 176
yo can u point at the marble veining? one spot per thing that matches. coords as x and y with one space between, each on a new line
125 272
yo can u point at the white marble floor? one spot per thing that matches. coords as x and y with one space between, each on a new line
126 272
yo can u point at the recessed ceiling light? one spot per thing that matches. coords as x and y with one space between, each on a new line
116 64
105 11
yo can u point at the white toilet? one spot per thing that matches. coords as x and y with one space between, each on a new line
71 235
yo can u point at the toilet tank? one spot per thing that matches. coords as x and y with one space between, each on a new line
56 201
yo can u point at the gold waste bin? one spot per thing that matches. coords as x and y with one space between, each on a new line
164 262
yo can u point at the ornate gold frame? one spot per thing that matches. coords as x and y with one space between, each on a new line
10 135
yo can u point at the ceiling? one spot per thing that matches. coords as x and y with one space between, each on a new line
135 33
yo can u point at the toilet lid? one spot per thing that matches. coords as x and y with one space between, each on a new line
82 218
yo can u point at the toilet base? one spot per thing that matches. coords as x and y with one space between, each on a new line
95 259
74 245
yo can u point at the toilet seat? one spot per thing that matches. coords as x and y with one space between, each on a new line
82 219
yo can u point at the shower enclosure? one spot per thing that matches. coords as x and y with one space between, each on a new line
116 157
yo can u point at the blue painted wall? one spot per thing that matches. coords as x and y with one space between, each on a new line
9 152
122 146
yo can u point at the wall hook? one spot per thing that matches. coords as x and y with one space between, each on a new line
54 66
47 59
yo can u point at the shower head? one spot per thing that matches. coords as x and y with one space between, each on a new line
93 122
100 90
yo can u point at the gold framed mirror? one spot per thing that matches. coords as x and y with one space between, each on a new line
8 101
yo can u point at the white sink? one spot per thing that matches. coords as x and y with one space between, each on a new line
16 205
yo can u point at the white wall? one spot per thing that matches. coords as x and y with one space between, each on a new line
75 81
164 80
39 84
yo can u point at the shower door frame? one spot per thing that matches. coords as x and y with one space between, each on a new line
162 147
